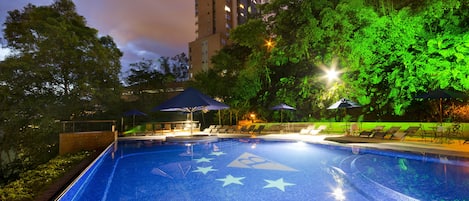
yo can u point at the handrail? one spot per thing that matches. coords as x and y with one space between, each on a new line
90 125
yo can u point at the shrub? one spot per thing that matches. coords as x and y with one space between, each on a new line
33 181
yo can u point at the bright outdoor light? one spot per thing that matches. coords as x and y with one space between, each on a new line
331 73
269 44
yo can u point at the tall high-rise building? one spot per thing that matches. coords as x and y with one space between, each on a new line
214 20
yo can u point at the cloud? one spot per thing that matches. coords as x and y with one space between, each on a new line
141 28
3 53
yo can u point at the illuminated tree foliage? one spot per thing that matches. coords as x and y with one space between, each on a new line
408 51
388 51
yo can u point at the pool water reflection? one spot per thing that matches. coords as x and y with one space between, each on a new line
253 169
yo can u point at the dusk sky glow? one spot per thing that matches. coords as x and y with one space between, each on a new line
141 29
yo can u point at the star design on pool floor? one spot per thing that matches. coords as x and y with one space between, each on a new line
203 159
205 170
279 183
217 153
229 179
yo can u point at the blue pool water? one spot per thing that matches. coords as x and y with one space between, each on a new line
253 169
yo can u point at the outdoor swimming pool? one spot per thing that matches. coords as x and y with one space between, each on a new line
254 169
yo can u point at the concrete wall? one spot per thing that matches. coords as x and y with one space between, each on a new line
80 141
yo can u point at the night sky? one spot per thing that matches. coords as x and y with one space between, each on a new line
141 28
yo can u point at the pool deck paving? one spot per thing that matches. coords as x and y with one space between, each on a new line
414 144
409 144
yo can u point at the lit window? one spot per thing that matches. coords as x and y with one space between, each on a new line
227 9
241 6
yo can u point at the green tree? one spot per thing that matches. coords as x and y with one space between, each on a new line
146 80
145 75
180 66
165 65
58 69
387 51
221 81
408 51
63 57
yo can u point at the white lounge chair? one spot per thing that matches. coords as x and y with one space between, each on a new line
318 130
307 130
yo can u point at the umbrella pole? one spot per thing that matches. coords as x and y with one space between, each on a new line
346 122
441 112
122 124
191 123
281 116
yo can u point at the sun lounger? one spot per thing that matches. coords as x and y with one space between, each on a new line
215 130
401 135
223 129
209 129
366 134
258 129
245 129
318 130
371 133
306 130
391 131
231 129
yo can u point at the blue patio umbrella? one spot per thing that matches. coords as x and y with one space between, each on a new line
191 100
133 113
282 107
346 104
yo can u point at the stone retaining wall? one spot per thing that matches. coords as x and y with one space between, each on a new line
80 141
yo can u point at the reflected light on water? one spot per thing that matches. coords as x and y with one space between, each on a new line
301 143
338 194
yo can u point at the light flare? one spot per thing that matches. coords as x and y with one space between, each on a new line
331 73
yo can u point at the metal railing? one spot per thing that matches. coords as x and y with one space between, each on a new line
88 126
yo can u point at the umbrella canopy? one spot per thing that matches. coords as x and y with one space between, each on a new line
441 94
282 107
190 100
134 113
344 103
